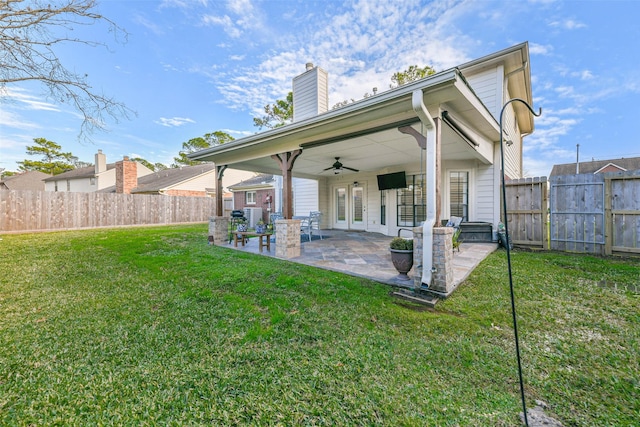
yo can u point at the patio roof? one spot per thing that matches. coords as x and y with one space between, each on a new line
367 132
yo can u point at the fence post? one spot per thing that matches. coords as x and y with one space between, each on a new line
608 218
544 217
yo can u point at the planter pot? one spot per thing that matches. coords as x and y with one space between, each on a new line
241 228
402 261
260 229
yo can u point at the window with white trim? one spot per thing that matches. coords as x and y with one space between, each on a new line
250 197
459 194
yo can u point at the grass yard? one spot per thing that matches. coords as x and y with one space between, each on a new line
152 326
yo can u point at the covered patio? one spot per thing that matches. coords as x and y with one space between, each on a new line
366 254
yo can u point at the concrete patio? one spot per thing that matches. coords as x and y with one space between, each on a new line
367 255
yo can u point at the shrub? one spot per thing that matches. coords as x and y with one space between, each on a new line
401 244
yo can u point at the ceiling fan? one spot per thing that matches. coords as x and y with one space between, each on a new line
338 167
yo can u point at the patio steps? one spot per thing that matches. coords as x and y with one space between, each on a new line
428 300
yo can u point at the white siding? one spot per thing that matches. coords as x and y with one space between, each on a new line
513 152
486 84
199 183
305 196
484 195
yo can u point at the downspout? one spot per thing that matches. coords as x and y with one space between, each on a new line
430 178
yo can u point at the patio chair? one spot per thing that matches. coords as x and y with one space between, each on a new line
315 222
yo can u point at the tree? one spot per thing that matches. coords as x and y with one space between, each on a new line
200 143
411 74
53 162
151 166
30 32
276 114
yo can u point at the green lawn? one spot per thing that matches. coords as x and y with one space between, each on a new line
152 326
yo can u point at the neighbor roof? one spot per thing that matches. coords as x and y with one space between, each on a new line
261 180
32 180
85 172
166 178
631 163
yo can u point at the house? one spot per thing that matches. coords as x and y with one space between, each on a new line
90 178
32 180
407 157
597 166
263 193
191 181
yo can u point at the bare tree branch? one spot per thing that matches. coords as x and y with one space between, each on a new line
29 33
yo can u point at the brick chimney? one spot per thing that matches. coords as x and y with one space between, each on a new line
101 162
310 93
126 175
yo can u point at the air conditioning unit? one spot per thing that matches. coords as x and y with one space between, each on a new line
253 215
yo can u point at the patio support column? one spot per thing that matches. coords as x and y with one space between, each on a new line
219 190
285 161
218 230
438 131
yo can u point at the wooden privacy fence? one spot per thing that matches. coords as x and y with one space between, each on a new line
23 211
595 213
527 207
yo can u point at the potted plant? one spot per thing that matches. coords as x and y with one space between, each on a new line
260 227
402 256
241 225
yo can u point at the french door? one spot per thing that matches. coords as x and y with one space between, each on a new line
349 207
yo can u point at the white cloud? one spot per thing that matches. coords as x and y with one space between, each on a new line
174 121
13 120
567 24
539 49
360 47
225 22
27 100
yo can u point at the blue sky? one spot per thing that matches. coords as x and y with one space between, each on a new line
195 66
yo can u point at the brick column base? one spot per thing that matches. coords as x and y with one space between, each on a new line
288 238
218 230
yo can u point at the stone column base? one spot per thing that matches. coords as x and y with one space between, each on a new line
442 278
219 230
288 238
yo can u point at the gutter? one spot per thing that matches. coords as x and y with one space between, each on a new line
427 228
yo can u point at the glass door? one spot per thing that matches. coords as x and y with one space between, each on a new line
349 207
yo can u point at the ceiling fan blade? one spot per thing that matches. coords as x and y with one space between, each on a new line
329 168
351 169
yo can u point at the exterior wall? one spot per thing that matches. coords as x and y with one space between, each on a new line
189 193
487 85
197 184
305 196
107 179
262 195
513 152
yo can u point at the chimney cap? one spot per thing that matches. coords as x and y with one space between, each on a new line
309 66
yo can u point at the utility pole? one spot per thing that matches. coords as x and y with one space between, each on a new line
577 159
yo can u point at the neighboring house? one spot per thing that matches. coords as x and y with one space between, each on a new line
32 181
192 181
597 166
439 135
264 192
90 178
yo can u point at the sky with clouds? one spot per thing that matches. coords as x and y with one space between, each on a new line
189 67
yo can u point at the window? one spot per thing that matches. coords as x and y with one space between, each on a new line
383 208
250 198
92 180
459 194
411 202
